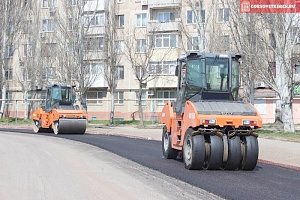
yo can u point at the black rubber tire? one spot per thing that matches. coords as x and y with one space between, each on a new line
234 153
168 151
193 150
250 156
215 158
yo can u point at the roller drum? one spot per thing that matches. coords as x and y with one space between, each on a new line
72 126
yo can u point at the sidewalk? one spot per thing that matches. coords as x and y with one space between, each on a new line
277 152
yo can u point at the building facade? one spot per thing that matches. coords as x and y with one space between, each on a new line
65 41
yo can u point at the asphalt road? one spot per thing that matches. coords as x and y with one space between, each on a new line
35 167
265 182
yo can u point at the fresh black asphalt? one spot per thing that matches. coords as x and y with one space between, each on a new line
264 182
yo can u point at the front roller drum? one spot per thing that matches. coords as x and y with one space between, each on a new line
71 126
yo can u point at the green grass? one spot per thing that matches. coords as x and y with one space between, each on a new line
286 136
15 121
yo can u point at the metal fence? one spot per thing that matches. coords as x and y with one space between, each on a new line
98 109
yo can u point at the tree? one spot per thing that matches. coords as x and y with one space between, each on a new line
12 14
111 54
275 37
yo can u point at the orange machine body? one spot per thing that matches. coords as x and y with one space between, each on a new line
177 125
47 119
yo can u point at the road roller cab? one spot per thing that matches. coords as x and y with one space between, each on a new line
207 123
60 113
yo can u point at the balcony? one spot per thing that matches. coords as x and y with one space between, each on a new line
92 6
162 4
156 26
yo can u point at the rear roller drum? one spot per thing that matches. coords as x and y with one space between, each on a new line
55 128
215 154
36 126
250 152
71 126
193 150
168 151
234 153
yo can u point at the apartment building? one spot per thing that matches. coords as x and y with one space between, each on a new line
64 41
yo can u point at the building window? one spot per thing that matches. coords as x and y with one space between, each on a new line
72 2
120 72
49 3
120 46
121 21
26 26
140 72
49 73
8 74
48 49
225 41
193 44
191 18
165 40
9 96
141 45
143 99
119 97
25 75
9 50
162 68
95 20
164 17
94 43
70 24
223 14
141 20
48 25
165 96
95 97
27 50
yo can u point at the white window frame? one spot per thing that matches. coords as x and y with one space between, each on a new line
222 18
167 17
119 97
48 25
194 18
8 74
121 22
70 24
25 75
163 99
141 45
9 51
49 3
72 2
94 43
141 19
143 99
164 68
164 39
193 43
27 50
49 73
99 97
95 20
120 46
120 75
